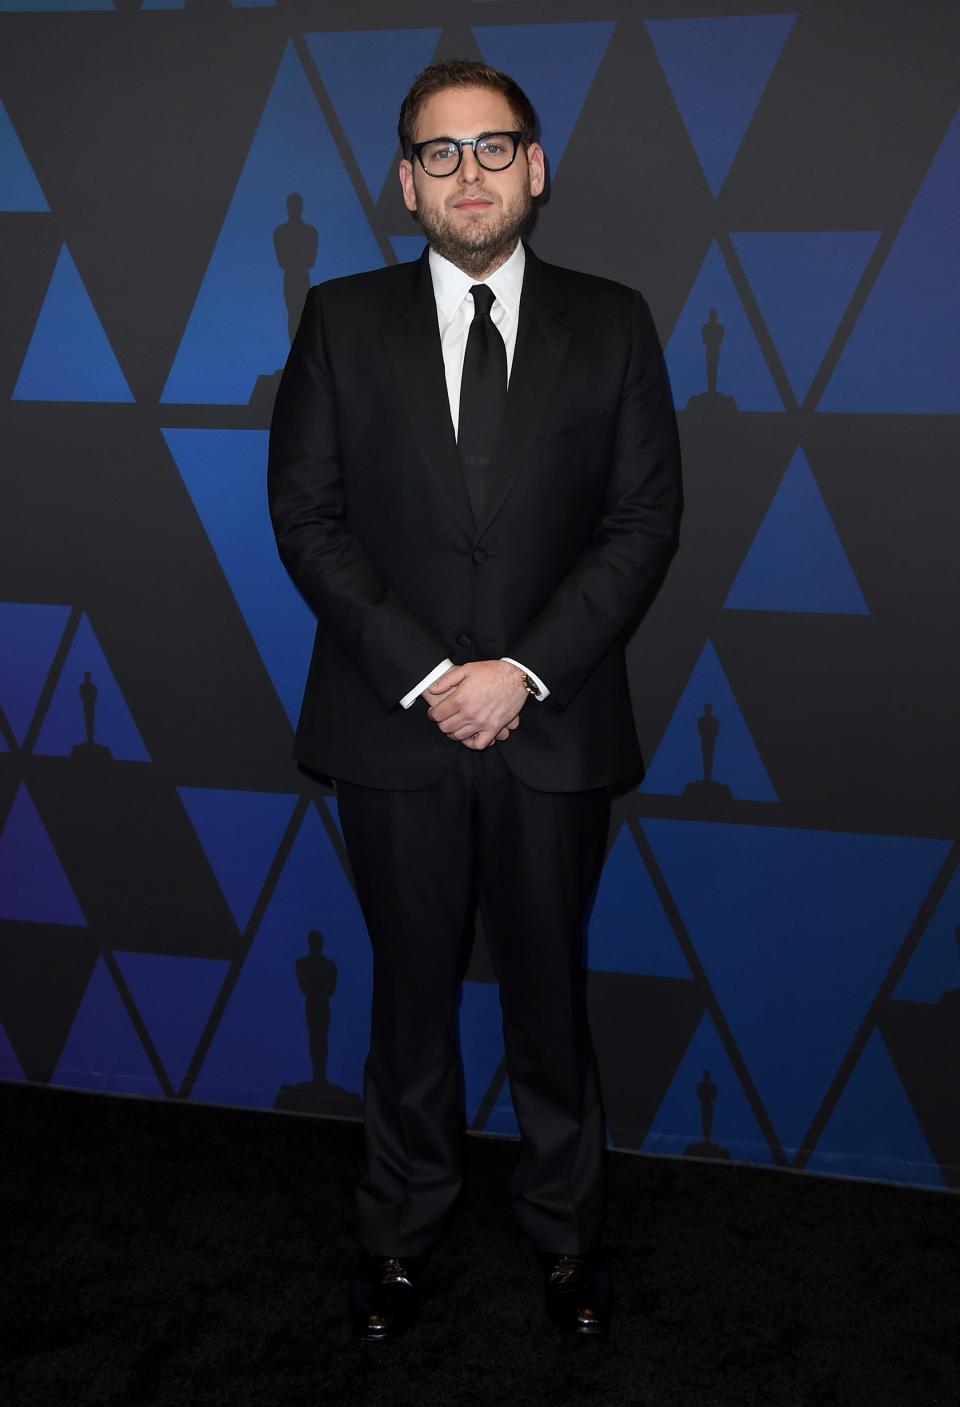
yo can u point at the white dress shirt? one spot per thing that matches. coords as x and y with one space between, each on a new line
451 289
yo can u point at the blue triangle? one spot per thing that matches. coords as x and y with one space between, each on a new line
555 64
935 965
678 761
238 327
796 931
239 832
743 372
29 636
803 283
262 1041
797 562
174 996
873 1130
33 885
10 1067
69 357
903 352
224 472
19 187
103 1050
367 73
677 1123
481 1044
717 70
64 726
628 930
407 247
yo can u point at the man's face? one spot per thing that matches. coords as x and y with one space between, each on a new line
472 217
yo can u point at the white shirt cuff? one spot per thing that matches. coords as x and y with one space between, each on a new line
425 683
542 690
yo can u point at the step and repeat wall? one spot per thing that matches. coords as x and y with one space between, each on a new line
773 950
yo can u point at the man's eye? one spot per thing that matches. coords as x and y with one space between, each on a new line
492 148
442 153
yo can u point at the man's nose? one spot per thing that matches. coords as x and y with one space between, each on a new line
470 168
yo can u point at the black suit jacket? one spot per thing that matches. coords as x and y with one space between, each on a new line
374 525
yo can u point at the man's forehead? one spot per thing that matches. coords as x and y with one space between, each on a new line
470 109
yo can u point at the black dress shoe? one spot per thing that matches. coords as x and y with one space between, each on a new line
383 1296
577 1293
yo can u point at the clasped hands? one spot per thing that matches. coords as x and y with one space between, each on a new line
477 704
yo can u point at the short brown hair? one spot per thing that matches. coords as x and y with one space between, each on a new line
463 73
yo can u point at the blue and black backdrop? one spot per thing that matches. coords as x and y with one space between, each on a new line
775 971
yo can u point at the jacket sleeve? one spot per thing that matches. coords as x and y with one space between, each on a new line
305 488
636 536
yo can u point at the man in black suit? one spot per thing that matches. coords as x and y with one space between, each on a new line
475 483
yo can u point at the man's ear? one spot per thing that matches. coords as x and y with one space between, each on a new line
537 167
406 181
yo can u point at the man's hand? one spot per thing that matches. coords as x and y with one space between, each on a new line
479 703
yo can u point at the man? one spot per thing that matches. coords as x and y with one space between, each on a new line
474 555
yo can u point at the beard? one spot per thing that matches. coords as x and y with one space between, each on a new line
477 247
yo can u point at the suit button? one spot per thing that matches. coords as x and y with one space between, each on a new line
465 640
479 556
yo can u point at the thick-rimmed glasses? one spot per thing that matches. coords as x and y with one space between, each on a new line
441 156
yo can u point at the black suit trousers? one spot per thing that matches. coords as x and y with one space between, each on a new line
531 859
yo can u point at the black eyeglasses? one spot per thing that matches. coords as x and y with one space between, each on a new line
441 156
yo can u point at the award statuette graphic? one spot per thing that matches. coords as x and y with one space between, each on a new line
707 1095
711 401
317 980
295 245
88 749
706 789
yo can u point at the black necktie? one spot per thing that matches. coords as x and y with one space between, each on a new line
483 395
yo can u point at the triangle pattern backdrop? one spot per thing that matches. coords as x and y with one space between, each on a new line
935 965
717 70
10 1067
796 931
677 1124
69 357
678 760
628 930
33 884
29 636
874 1116
797 561
903 353
557 62
103 1050
174 996
803 283
63 729
237 330
19 187
240 832
367 73
743 372
262 1041
225 472
48 6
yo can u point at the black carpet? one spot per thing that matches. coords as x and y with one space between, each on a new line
162 1253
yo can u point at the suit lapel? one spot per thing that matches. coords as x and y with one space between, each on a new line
412 341
540 351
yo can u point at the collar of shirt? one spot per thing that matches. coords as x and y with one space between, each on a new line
451 286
